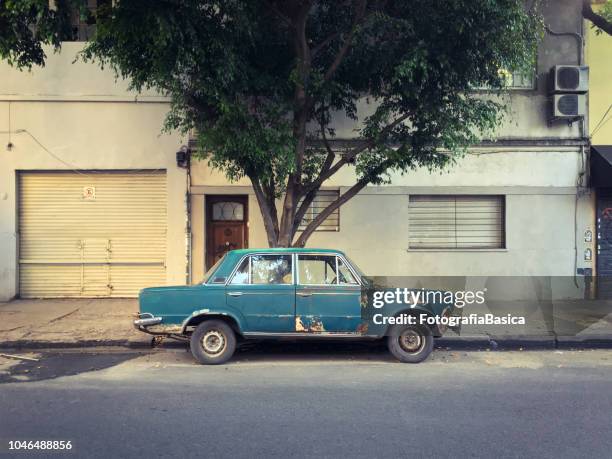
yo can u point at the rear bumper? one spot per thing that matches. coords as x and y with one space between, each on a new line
146 320
148 323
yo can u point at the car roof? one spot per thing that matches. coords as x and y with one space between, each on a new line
241 252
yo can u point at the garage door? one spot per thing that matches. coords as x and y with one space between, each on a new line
91 234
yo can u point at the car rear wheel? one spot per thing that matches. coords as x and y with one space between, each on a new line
410 343
213 342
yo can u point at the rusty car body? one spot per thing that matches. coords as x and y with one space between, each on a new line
279 293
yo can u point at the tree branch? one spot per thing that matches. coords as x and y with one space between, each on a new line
279 13
597 20
299 215
359 15
347 158
317 49
352 191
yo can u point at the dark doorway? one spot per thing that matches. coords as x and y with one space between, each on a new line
604 243
226 225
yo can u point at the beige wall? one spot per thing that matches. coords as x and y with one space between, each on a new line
84 117
75 117
540 190
63 78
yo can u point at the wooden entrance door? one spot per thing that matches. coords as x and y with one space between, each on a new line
226 225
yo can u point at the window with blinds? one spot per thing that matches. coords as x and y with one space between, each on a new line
514 80
323 199
457 222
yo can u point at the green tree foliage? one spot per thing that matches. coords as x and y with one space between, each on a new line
262 81
26 25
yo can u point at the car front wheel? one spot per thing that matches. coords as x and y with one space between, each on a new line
213 342
410 343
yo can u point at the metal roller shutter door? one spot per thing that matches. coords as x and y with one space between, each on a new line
110 242
456 222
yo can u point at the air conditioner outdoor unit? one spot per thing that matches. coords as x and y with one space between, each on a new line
569 105
569 78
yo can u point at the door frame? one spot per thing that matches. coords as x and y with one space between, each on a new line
210 199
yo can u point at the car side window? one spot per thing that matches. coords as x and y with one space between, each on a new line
271 269
345 277
264 269
317 269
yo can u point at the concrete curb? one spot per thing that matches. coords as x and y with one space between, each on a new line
24 344
499 342
603 341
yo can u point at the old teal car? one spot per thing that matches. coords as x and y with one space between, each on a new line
282 293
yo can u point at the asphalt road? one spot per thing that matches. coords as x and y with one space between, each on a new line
311 401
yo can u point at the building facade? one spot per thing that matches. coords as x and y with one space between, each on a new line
600 133
94 203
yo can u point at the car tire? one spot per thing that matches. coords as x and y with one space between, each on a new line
213 342
410 343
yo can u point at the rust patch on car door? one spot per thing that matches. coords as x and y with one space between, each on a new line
308 324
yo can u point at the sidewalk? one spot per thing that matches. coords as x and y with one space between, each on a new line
70 323
79 323
552 324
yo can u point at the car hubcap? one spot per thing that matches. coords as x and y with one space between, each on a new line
411 341
213 342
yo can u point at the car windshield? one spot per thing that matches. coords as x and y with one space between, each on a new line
212 269
360 273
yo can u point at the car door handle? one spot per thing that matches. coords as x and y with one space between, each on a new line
304 293
234 293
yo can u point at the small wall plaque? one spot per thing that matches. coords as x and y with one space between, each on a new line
89 193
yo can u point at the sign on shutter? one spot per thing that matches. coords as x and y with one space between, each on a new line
91 234
456 222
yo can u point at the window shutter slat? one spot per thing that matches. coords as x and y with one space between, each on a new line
451 222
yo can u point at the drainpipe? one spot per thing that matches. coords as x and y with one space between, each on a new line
183 160
188 223
576 35
580 180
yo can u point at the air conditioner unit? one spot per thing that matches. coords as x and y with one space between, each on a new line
569 78
569 105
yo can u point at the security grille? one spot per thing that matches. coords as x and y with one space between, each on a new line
323 199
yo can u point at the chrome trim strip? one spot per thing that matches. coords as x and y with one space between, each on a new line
257 292
304 334
337 293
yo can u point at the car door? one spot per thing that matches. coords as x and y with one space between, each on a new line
263 290
328 295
